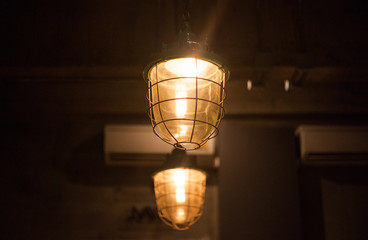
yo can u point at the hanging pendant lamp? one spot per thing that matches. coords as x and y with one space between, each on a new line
179 189
186 92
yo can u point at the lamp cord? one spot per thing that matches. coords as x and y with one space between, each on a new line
186 15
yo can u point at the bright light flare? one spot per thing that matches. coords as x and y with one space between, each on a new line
181 104
186 67
179 182
179 177
180 195
180 215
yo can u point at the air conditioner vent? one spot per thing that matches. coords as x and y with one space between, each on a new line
333 145
137 145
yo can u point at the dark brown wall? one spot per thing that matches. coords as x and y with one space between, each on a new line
67 68
56 185
258 183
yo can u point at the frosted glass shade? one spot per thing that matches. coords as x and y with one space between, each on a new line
180 196
186 100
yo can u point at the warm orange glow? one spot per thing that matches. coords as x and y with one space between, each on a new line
179 182
187 67
181 104
186 89
180 196
180 217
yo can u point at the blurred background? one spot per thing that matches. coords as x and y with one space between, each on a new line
69 68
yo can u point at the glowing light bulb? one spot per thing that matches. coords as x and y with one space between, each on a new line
179 181
185 67
180 195
180 216
181 104
182 132
179 177
180 212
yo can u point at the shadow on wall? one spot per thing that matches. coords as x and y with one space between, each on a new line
87 166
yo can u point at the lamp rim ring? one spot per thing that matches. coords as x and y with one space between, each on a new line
213 134
179 78
187 53
194 167
187 119
187 98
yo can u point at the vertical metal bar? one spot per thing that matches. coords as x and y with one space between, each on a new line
222 97
150 100
159 105
187 191
220 105
196 102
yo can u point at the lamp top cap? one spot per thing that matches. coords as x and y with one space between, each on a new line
179 159
187 45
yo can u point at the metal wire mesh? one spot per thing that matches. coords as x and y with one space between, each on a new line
186 109
180 196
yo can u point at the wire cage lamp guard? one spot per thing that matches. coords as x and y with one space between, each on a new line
186 97
186 91
180 191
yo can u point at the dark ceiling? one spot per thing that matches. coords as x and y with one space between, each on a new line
54 48
69 67
112 32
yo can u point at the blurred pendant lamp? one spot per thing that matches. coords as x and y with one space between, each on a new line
186 93
179 189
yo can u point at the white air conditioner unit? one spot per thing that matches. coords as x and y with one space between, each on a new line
334 145
137 145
